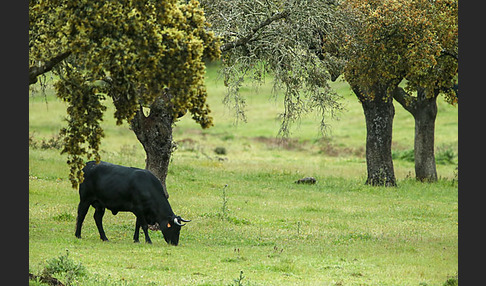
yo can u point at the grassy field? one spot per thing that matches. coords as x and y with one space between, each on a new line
262 229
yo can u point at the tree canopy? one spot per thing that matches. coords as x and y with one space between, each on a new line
394 41
399 39
128 50
134 50
284 38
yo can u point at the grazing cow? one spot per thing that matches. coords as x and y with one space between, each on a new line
120 188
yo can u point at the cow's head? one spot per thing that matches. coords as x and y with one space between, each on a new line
171 228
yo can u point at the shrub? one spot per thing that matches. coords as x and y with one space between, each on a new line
65 266
445 156
407 155
220 150
451 281
64 217
55 142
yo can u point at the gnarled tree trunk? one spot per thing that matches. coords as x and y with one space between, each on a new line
424 111
379 112
155 133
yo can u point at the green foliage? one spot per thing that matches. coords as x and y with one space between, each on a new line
452 281
443 156
283 38
220 150
65 217
54 142
399 39
64 266
85 113
224 206
129 51
239 281
406 155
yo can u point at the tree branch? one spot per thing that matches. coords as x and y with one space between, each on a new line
246 39
406 100
35 71
451 54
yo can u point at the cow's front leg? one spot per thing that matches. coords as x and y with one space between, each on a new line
141 222
98 217
137 231
144 225
145 231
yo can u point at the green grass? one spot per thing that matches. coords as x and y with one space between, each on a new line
336 232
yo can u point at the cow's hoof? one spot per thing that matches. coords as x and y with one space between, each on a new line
136 241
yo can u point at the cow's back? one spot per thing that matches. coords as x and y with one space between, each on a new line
121 188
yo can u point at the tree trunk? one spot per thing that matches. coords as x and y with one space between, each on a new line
425 169
155 133
424 111
379 112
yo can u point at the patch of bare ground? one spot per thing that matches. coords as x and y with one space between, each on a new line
285 143
333 150
323 146
49 280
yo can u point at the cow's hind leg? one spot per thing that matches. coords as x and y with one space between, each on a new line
136 235
83 208
98 217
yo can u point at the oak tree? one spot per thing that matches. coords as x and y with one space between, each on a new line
376 44
139 53
437 24
283 38
391 41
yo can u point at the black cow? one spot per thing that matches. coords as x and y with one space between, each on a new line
120 188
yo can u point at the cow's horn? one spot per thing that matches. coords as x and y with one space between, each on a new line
176 221
185 220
